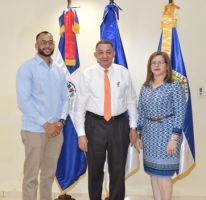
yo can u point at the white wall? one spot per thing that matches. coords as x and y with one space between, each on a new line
139 24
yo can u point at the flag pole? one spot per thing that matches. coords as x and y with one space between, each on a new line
65 196
168 22
69 2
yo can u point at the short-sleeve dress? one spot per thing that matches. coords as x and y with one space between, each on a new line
161 113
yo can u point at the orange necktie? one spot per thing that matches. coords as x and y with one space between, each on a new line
107 97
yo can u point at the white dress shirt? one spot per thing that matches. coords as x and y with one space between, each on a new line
90 94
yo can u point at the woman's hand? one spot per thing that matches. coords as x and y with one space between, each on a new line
172 145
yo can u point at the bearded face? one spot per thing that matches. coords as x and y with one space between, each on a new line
45 45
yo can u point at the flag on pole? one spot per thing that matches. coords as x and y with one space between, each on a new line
109 31
72 161
169 43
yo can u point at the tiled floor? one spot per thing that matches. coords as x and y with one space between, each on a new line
85 197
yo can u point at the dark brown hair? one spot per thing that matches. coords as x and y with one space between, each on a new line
43 32
104 42
150 76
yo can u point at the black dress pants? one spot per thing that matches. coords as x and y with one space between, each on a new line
112 138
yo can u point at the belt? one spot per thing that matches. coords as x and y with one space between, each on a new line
159 119
102 117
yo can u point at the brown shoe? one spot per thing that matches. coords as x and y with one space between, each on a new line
64 197
107 198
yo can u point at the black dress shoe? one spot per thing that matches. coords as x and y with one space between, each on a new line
64 197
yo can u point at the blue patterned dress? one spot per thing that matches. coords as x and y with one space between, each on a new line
167 104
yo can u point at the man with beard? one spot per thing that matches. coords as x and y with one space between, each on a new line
43 100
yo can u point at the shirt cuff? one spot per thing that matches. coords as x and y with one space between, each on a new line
139 128
177 130
63 116
133 124
81 132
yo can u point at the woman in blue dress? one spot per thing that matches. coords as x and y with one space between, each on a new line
161 115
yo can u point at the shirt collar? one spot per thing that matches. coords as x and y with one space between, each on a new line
103 69
41 61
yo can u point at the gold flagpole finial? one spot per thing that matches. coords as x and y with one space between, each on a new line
69 2
168 21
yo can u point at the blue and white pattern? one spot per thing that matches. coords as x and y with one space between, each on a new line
168 102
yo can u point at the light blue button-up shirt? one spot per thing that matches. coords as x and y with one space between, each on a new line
42 94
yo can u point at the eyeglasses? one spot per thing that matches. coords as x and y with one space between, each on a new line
158 63
44 42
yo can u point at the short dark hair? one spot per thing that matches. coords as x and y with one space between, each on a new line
104 42
150 76
43 32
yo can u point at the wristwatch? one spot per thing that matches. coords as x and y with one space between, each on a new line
133 128
63 121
